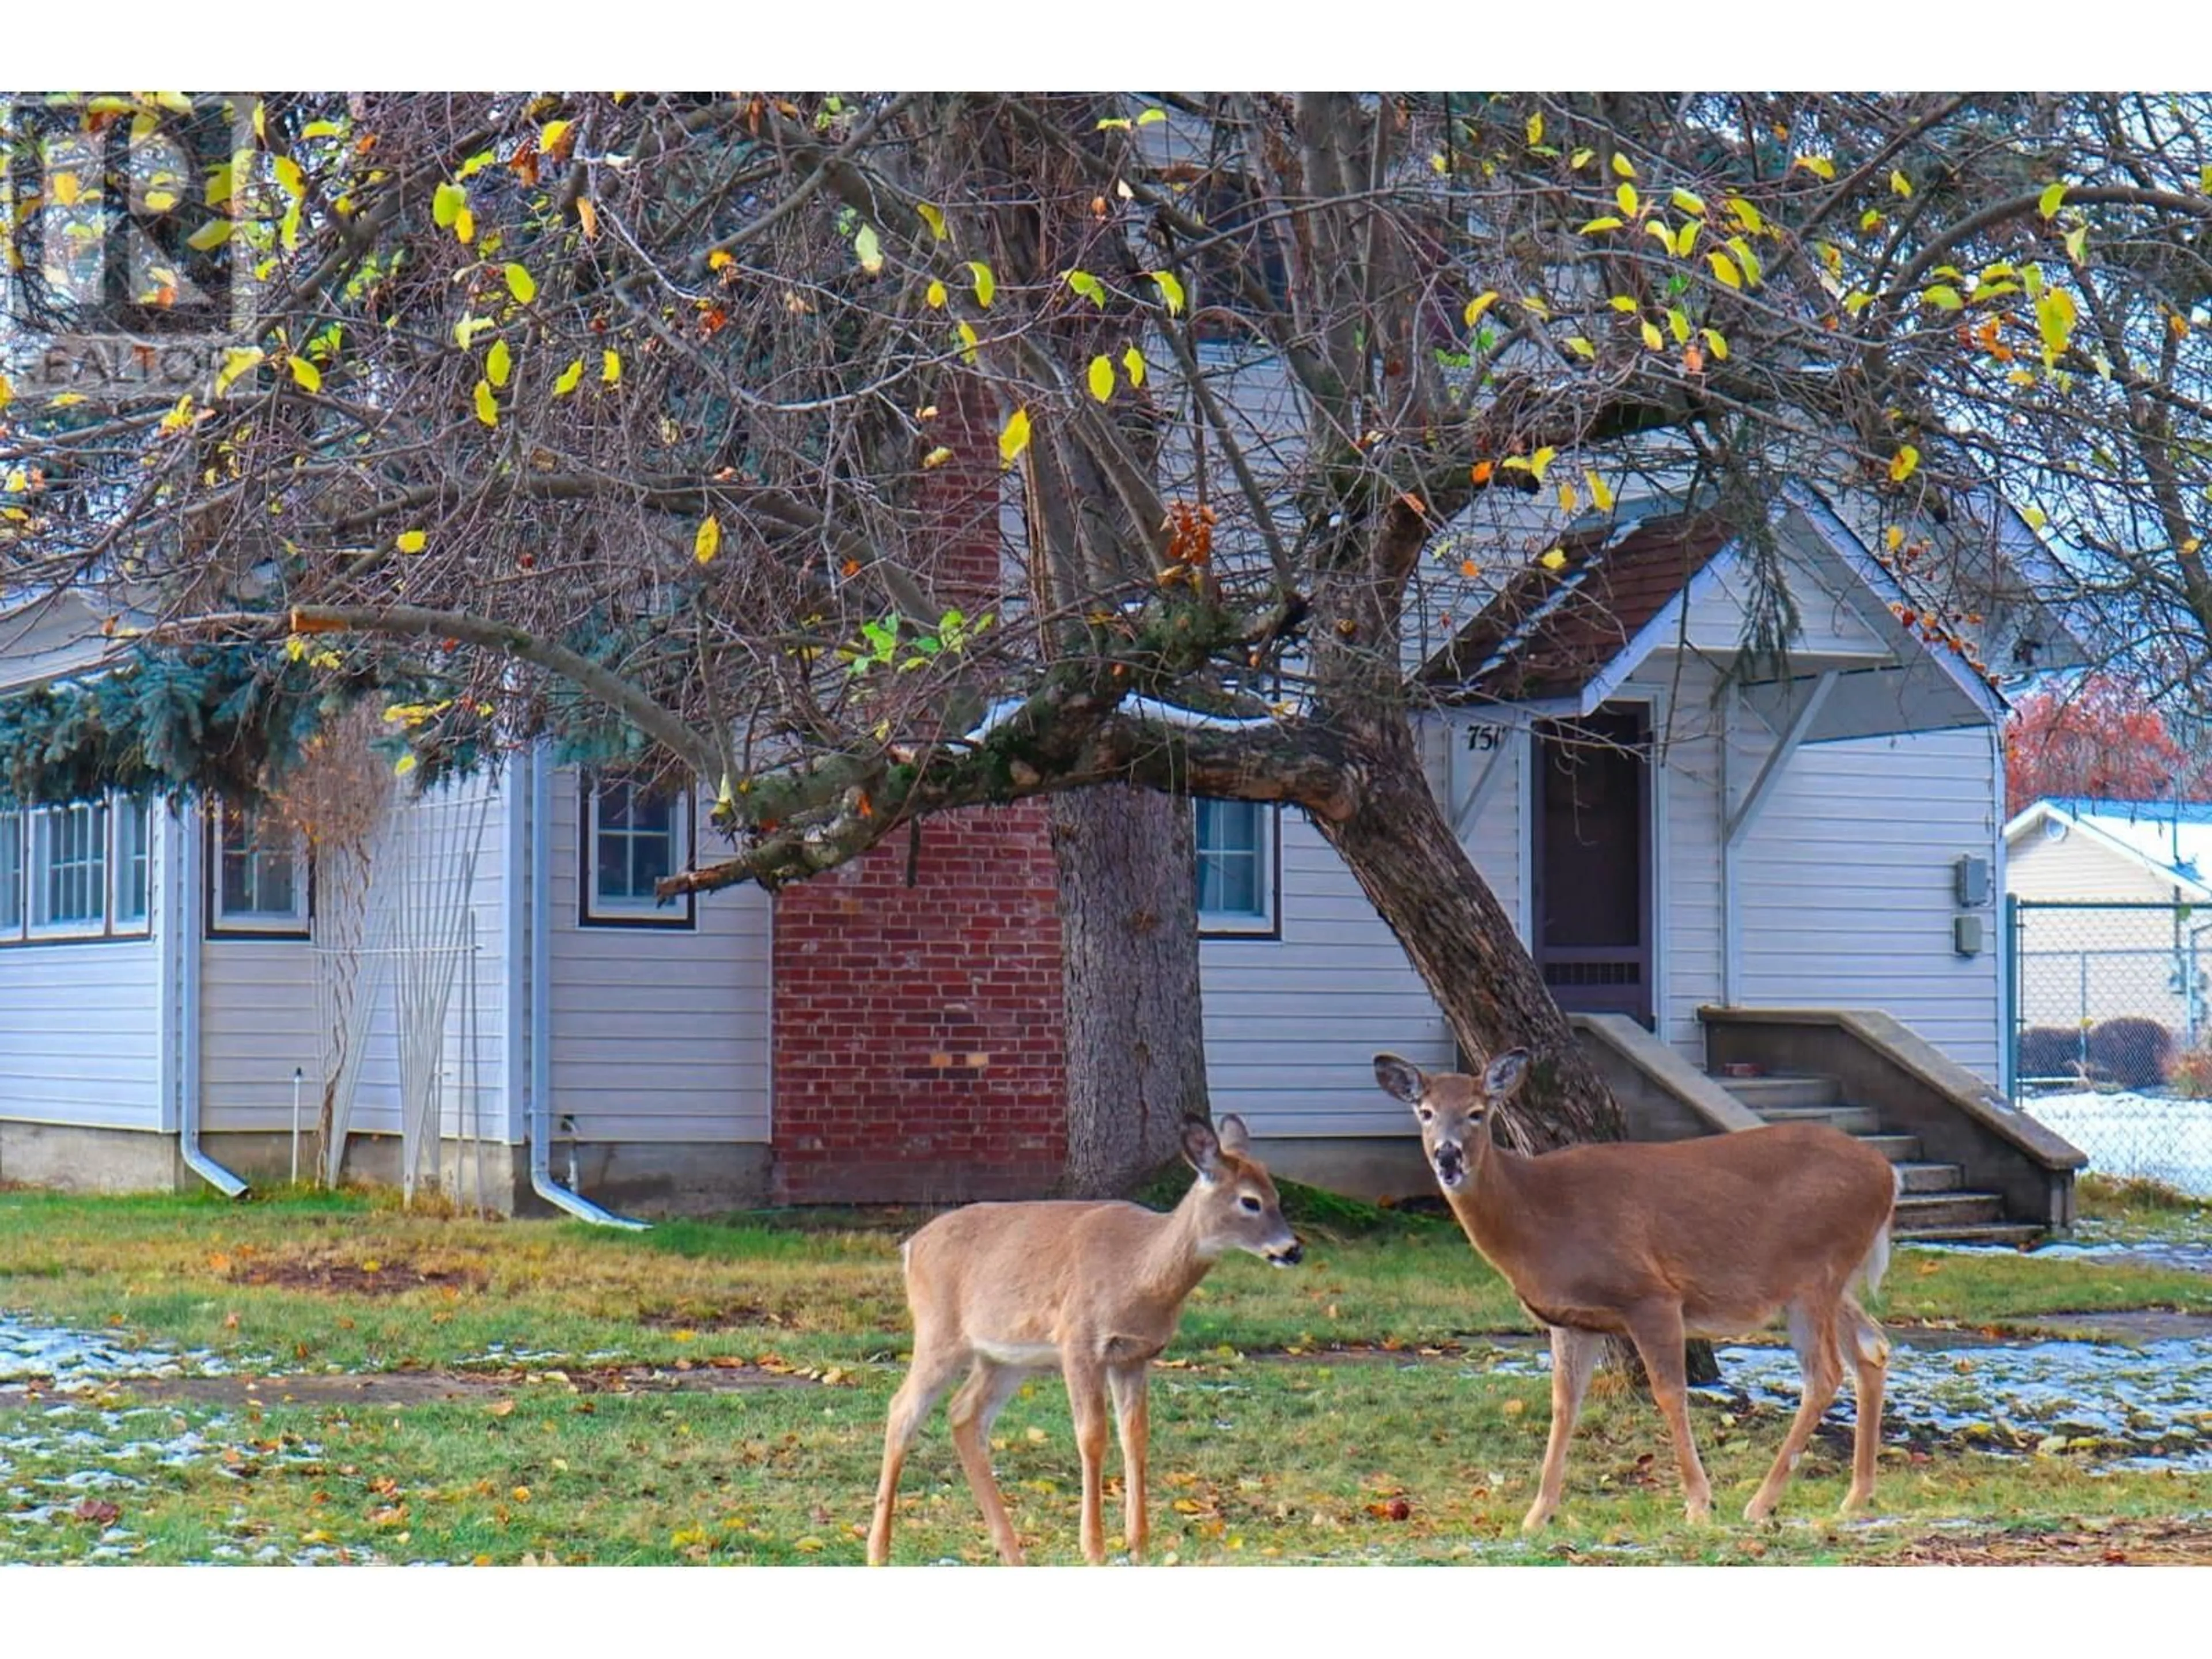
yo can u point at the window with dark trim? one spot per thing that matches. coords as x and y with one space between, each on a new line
257 876
1237 842
633 836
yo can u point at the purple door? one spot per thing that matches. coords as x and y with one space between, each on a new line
1592 800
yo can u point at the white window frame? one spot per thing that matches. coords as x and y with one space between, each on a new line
125 861
595 911
41 827
293 922
1265 922
15 891
23 878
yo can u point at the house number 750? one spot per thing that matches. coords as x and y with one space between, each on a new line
1482 738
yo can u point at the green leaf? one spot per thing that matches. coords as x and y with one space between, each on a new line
868 248
986 285
309 377
571 378
1943 297
499 363
1014 438
1101 378
2053 195
446 206
1170 291
1151 115
211 235
521 284
1089 287
487 406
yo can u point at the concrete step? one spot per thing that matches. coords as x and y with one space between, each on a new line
1927 1177
1898 1149
1917 1213
1851 1119
1761 1093
2019 1234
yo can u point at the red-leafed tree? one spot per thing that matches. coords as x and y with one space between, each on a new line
2099 738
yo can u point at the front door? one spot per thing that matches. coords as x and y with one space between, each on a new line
1592 800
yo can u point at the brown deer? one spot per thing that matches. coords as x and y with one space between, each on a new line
1094 1288
1660 1240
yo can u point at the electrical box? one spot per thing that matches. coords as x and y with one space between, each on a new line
1967 935
1970 881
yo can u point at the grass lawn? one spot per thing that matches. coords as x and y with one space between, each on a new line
1298 1418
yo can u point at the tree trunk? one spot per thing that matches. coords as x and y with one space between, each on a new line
1136 1047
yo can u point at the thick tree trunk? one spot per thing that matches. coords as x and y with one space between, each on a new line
1136 1047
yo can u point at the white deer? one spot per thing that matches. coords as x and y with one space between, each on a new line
1092 1287
1658 1241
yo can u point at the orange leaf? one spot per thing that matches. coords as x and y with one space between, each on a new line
1483 470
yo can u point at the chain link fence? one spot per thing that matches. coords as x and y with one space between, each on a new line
2112 1032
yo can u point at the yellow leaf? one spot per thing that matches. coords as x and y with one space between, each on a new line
412 541
403 766
1581 347
487 406
499 363
968 354
587 216
720 259
1652 337
611 368
1601 491
708 542
1900 184
309 377
936 458
1943 297
1570 499
1015 438
1686 243
521 283
1623 166
1894 537
1746 215
1622 302
1725 269
1715 343
935 295
1101 378
1088 286
1902 464
571 377
868 248
931 217
1747 261
2035 516
1134 362
550 135
294 184
1606 223
1170 291
236 362
2052 197
986 285
1554 560
1540 460
1625 194
1536 129
1152 115
1535 306
1687 201
1580 158
1678 324
1818 166
1477 306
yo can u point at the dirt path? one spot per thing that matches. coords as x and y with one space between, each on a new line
382 1389
2119 1543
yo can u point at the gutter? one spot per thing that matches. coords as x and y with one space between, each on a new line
191 889
541 1007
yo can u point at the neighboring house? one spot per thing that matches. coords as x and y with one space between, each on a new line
1791 840
2104 918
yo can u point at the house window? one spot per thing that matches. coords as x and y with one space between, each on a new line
68 871
134 863
259 876
1235 867
11 875
634 836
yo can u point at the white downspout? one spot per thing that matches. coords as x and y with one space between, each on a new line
190 894
541 1006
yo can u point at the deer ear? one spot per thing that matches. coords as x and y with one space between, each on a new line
1201 1147
1235 1140
1506 1074
1401 1079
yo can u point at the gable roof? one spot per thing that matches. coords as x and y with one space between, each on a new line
2171 840
1548 632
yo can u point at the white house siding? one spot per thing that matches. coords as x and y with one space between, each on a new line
658 1033
2079 865
1686 846
2085 966
81 1028
259 1016
1845 885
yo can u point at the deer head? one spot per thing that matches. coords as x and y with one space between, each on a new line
1235 1205
1454 1110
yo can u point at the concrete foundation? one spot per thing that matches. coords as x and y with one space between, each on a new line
71 1158
1370 1167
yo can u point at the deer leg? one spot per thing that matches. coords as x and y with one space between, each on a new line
1812 1334
927 1379
1657 1329
1086 1403
1575 1355
973 1410
1131 1389
1869 1350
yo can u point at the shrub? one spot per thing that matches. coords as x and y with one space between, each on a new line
2134 1052
2190 1073
2050 1051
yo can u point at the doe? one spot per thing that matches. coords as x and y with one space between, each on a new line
1094 1288
1658 1241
